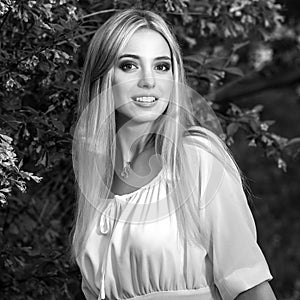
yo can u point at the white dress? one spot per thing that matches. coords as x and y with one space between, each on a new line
147 260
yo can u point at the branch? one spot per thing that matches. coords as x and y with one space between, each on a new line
5 18
98 13
254 83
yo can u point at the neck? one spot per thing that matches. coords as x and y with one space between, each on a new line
130 134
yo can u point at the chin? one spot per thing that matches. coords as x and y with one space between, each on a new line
140 116
147 118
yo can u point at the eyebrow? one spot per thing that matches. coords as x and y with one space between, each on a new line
138 57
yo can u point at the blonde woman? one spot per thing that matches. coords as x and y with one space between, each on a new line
161 211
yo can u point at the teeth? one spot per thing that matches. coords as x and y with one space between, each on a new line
145 99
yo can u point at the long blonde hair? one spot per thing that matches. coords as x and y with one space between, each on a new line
94 151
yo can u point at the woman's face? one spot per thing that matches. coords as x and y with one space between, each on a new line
143 77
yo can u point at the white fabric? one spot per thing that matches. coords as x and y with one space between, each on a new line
148 261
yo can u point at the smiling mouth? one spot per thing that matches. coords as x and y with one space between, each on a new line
145 99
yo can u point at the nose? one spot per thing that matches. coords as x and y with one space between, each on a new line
147 80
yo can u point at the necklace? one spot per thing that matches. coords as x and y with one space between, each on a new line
125 171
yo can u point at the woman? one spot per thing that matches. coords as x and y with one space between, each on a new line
161 211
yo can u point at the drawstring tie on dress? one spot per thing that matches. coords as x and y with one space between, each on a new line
104 227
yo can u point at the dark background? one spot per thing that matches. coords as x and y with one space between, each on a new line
41 58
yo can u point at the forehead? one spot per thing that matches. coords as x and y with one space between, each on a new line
147 43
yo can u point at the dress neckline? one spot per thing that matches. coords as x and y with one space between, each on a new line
154 181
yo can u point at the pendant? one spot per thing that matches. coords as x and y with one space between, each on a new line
125 171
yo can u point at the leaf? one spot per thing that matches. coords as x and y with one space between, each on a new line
215 61
6 190
31 109
43 160
58 124
270 122
292 147
20 164
239 46
44 66
60 76
234 71
11 121
50 108
257 108
198 58
57 27
293 141
232 128
191 41
254 125
235 109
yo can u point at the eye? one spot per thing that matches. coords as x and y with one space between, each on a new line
127 66
164 67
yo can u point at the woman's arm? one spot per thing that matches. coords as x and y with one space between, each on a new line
262 291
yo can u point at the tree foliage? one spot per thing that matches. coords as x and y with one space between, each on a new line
232 49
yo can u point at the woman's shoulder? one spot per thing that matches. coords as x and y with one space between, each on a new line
204 145
200 138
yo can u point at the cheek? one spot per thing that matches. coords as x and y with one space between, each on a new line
118 77
168 86
115 79
119 86
117 95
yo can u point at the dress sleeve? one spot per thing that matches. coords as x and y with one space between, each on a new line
89 295
229 229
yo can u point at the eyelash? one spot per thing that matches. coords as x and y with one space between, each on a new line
124 66
166 66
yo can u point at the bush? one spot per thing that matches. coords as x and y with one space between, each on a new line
232 49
